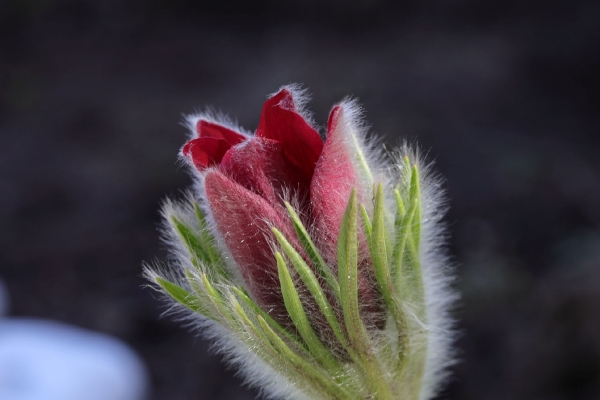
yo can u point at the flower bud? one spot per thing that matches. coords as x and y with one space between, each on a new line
317 261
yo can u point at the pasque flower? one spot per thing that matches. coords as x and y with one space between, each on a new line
274 261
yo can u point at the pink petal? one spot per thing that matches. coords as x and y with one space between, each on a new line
335 177
244 220
333 180
302 145
216 131
259 166
205 151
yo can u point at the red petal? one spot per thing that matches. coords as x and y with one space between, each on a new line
205 152
260 165
302 145
244 219
212 130
335 177
334 116
333 180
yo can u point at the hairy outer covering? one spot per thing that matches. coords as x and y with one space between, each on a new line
317 266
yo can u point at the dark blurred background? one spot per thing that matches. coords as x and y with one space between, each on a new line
503 95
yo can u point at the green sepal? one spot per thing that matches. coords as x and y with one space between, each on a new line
259 311
348 274
313 286
218 301
190 240
379 258
277 353
182 296
348 278
199 243
401 210
313 253
322 379
366 221
214 256
258 335
294 307
415 194
403 261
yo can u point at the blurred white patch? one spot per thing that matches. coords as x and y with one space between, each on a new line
45 360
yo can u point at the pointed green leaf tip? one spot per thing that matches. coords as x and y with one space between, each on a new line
191 241
199 243
182 296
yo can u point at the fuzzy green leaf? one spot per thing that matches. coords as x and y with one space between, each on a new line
199 244
257 334
207 239
313 253
379 252
296 311
366 221
312 284
220 304
348 278
182 296
202 295
405 229
405 267
278 354
400 204
382 270
398 223
259 311
348 274
191 240
314 374
415 193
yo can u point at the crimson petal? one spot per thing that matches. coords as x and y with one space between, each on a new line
333 180
244 220
335 177
280 121
213 130
259 166
206 151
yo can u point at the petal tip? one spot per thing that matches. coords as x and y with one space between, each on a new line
334 117
206 128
